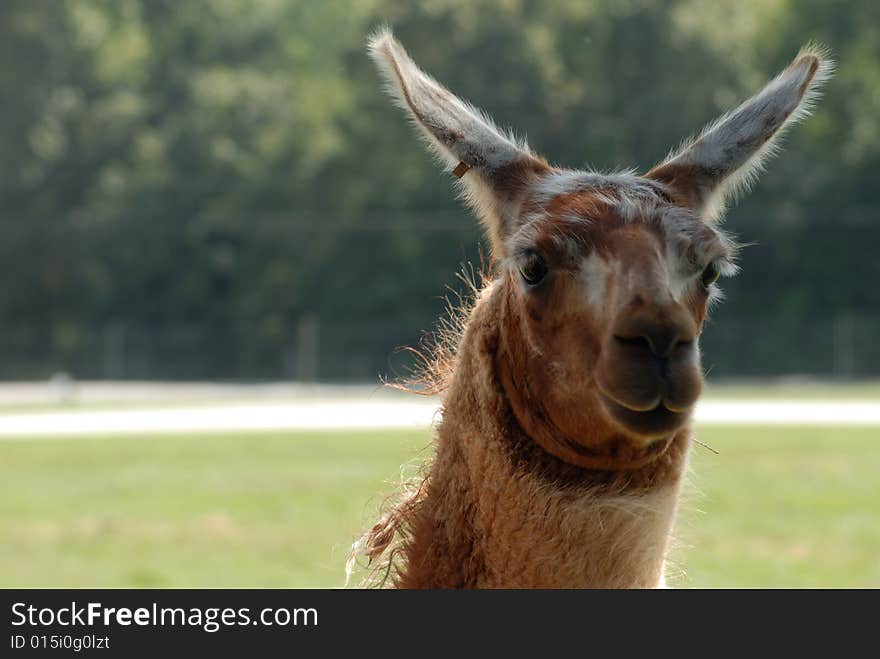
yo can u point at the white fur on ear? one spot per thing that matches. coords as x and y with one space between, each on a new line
492 165
728 154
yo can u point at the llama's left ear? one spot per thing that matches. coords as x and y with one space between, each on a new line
727 156
495 168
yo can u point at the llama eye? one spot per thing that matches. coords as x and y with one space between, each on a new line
533 269
710 275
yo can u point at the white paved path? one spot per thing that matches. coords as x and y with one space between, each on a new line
377 414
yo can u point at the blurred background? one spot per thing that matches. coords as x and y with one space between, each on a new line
218 191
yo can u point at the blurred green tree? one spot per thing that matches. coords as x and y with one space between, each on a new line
182 182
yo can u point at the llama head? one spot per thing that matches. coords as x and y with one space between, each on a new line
605 278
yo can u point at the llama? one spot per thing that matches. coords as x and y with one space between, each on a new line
569 390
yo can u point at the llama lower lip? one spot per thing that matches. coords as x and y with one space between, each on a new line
653 423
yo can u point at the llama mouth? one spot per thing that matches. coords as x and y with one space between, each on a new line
653 424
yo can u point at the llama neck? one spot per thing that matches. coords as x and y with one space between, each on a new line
498 511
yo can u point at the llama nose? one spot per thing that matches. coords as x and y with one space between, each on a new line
661 336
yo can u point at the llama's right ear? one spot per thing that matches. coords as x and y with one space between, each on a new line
495 168
729 153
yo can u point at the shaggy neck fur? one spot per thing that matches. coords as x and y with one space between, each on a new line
496 511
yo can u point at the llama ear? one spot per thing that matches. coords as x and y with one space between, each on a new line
494 168
727 156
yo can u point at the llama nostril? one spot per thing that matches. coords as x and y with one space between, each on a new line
661 341
634 341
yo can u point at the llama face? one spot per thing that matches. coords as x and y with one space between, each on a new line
606 279
607 287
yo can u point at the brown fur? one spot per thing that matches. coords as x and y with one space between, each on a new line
533 484
496 511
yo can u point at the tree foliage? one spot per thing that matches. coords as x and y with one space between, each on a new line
205 174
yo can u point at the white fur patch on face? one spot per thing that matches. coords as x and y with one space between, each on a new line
594 274
681 279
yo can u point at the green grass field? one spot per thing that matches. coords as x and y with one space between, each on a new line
777 507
